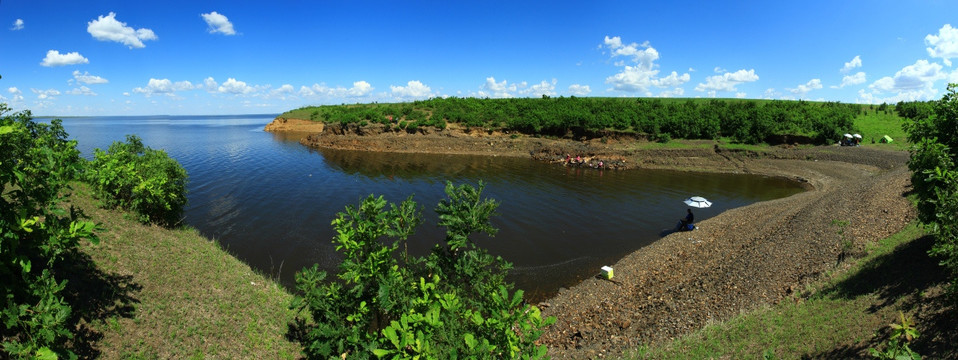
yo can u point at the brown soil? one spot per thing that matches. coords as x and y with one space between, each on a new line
739 260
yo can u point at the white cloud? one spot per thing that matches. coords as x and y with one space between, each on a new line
82 90
218 23
46 94
285 89
727 81
233 86
643 75
542 88
163 87
849 80
413 90
107 28
719 70
676 92
851 65
86 78
305 91
913 82
673 80
16 94
770 93
801 90
579 90
944 45
54 58
740 95
210 84
17 25
497 89
360 88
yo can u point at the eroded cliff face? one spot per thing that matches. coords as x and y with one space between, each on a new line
295 125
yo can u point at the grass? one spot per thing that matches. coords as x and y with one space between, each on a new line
161 293
874 124
840 317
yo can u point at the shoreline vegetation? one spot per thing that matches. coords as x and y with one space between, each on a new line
744 259
773 279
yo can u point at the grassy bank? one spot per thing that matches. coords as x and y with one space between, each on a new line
840 317
173 294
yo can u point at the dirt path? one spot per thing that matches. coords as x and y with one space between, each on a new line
736 261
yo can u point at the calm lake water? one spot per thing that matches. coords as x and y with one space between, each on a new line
270 200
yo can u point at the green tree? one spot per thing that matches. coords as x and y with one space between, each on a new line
935 176
453 303
37 162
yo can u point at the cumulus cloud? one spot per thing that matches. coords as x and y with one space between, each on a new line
233 86
542 88
108 28
727 81
944 45
851 65
497 89
285 89
359 89
801 90
54 58
210 84
218 23
16 94
82 90
86 78
413 90
913 82
579 90
163 87
849 80
17 25
46 94
642 75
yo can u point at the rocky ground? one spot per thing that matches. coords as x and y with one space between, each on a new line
739 260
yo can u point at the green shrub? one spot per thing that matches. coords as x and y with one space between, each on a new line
36 164
134 177
934 165
453 303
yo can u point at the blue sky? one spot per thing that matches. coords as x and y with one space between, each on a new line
234 57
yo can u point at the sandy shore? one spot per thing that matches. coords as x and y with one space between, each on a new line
739 260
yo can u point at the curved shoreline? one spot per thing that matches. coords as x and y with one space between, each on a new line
739 260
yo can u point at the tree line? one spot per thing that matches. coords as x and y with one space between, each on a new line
745 121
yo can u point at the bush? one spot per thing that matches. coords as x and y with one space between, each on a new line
453 303
36 164
934 165
137 178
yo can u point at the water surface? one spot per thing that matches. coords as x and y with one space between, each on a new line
270 200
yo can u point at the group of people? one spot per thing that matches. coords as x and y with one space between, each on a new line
851 140
578 160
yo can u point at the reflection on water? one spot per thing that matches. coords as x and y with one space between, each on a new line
270 200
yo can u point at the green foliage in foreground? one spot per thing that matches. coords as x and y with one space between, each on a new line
36 233
453 303
135 177
747 121
934 165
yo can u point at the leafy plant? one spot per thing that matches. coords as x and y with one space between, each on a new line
135 177
897 348
935 176
453 303
36 233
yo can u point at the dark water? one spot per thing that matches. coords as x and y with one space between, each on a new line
270 200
